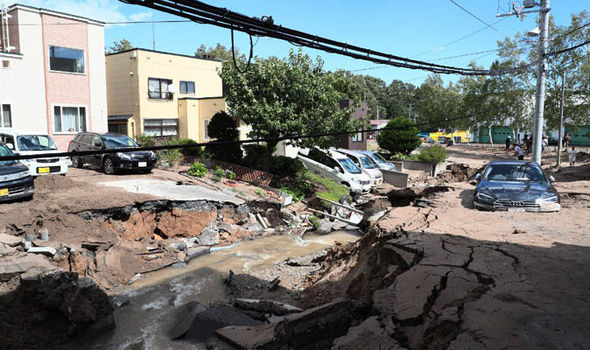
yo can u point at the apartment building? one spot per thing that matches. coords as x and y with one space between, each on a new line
52 73
162 94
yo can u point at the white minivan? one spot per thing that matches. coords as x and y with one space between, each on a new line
335 166
32 143
366 164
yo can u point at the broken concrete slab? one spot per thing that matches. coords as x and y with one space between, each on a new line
266 306
205 323
208 237
194 252
184 317
10 240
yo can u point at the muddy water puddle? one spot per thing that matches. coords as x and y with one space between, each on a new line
148 309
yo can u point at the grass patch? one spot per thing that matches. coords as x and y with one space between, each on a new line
333 190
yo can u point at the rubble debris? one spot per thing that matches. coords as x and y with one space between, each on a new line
208 237
10 240
58 306
314 328
373 333
44 234
457 172
184 317
206 322
274 284
266 306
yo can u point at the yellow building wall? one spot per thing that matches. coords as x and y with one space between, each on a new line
207 108
121 74
176 68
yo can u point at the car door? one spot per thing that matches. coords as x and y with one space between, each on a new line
84 145
333 169
96 144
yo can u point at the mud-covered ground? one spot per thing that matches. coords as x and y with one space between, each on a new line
432 273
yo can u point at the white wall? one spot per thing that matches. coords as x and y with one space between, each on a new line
22 85
98 82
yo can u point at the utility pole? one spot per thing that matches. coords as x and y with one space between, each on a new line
540 95
559 142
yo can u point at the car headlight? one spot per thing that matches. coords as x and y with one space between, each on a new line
484 197
15 176
152 155
123 156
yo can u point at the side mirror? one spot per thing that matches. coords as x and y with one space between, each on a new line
337 169
551 178
97 144
10 146
477 176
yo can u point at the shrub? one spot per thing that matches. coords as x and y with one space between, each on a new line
255 155
401 156
223 127
193 151
295 191
197 169
172 156
145 141
229 174
401 136
435 154
285 166
219 172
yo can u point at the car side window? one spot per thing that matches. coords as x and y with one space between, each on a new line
86 139
96 140
331 163
317 155
353 158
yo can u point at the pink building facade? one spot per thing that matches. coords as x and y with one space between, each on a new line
53 82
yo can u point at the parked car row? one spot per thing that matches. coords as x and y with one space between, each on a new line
358 170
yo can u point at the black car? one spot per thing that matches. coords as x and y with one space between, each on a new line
110 163
515 186
15 180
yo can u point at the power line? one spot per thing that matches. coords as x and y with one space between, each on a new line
474 16
222 17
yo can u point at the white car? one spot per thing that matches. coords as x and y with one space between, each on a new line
381 162
366 164
30 144
335 166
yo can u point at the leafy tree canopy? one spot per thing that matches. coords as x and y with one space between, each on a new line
400 136
121 45
218 52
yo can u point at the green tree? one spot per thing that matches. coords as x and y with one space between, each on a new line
291 96
437 106
400 136
218 52
223 128
121 45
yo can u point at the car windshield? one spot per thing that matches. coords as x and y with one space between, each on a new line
35 143
349 165
377 158
367 162
118 141
5 152
514 172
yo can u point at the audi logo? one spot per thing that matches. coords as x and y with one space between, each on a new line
517 203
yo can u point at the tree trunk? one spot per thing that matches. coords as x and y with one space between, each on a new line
490 135
270 147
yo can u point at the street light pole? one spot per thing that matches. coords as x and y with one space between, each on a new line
540 95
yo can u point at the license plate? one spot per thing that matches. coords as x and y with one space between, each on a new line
516 210
42 170
142 164
3 192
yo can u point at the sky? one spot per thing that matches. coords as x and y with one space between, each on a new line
416 29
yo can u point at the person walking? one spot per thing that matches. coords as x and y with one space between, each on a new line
566 140
572 156
518 152
508 142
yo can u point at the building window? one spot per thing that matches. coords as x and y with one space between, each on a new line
5 116
160 127
358 137
69 119
63 59
158 88
187 87
206 129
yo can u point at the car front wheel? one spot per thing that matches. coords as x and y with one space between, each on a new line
76 162
108 167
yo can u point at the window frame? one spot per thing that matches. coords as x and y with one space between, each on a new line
168 95
186 83
65 71
161 126
2 115
357 137
61 106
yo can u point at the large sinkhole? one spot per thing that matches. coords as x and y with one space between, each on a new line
209 222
